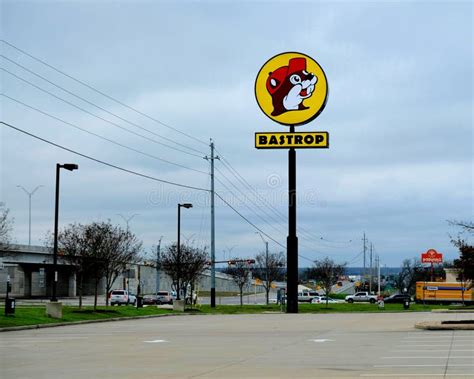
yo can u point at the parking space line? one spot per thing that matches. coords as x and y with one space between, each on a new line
450 365
457 345
445 357
406 375
430 351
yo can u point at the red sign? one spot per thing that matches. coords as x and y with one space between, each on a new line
431 256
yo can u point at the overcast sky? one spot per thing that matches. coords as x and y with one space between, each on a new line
399 115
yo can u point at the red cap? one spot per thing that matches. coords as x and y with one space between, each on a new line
279 75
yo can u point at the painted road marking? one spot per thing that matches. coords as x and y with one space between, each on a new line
438 338
155 341
445 357
405 375
321 340
428 351
416 345
450 365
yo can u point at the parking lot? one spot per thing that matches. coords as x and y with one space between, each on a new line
243 346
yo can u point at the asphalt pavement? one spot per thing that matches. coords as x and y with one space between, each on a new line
243 346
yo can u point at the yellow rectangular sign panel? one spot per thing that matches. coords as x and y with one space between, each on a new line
308 140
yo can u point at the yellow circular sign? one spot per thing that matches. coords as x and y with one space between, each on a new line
291 89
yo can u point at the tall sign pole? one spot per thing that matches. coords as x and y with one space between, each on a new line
291 89
292 239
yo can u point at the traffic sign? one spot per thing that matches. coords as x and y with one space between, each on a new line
291 88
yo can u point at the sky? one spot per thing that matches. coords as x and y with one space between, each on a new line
399 115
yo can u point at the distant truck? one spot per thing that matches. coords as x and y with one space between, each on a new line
443 293
307 296
361 296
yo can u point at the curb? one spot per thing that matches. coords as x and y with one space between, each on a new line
430 325
55 324
452 311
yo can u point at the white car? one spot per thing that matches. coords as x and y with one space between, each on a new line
322 300
120 297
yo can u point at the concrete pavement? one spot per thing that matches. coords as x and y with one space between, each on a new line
243 346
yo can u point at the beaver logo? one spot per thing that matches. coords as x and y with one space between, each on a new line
290 85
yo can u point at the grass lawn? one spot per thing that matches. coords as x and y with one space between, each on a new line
32 315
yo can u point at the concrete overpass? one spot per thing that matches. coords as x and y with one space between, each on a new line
31 274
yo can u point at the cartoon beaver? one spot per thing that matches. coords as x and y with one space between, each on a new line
290 85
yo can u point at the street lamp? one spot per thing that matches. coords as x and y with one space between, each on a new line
127 219
69 167
266 255
30 194
187 206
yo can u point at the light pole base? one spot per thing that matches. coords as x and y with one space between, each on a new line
54 310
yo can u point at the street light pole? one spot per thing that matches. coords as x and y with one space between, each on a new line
127 219
30 194
185 205
266 258
70 167
158 265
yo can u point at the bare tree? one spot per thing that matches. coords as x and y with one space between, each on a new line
116 249
269 269
326 272
185 268
466 226
240 272
6 226
412 271
72 242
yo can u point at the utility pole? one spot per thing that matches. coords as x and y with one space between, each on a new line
364 273
378 274
370 277
266 260
158 265
30 194
213 235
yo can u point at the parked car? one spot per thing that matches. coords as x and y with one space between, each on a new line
149 300
120 297
398 298
361 296
316 300
322 300
164 297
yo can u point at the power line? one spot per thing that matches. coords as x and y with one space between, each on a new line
104 94
233 194
256 214
102 137
140 175
101 161
248 221
96 116
99 107
304 234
